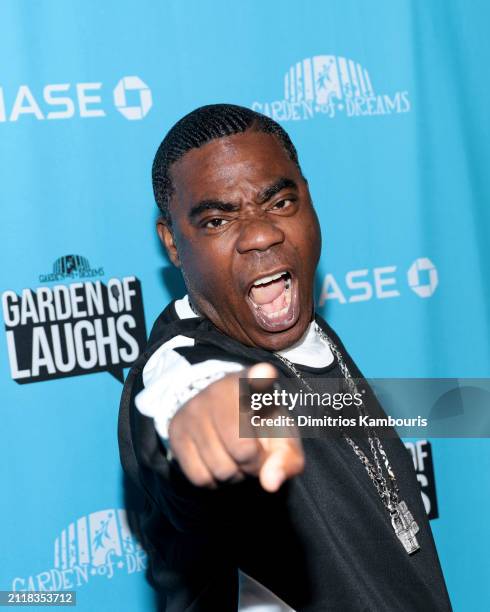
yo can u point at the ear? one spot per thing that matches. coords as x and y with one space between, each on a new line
167 238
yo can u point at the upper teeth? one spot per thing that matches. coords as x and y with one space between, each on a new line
268 279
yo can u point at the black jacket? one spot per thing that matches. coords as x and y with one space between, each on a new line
323 542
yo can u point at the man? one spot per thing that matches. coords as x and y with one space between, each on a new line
312 521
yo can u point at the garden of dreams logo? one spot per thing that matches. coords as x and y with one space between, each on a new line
331 86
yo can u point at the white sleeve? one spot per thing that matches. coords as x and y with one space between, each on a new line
170 380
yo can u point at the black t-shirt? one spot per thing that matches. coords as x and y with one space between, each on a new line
323 542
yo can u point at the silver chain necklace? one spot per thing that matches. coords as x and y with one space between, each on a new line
402 520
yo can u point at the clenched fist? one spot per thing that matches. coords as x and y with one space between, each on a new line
204 439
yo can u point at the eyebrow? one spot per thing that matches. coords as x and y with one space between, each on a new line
204 205
269 192
265 195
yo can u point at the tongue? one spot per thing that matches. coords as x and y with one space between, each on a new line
265 294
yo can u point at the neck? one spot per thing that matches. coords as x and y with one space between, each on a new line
194 309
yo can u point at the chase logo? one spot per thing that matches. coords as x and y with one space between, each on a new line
381 282
144 103
131 96
98 544
423 277
331 85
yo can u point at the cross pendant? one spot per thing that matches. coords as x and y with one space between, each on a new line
405 528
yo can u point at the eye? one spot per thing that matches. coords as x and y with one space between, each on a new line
216 222
282 204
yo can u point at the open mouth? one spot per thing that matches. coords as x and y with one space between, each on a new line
274 301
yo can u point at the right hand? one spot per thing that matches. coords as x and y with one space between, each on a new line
204 439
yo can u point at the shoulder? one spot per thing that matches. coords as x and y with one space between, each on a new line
175 312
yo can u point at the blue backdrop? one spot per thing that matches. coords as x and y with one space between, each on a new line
387 102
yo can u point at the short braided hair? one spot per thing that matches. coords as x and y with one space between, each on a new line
200 127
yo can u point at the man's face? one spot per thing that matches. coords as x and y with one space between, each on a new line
246 237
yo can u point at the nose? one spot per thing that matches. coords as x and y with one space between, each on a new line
258 235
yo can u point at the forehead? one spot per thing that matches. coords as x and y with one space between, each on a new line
229 165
